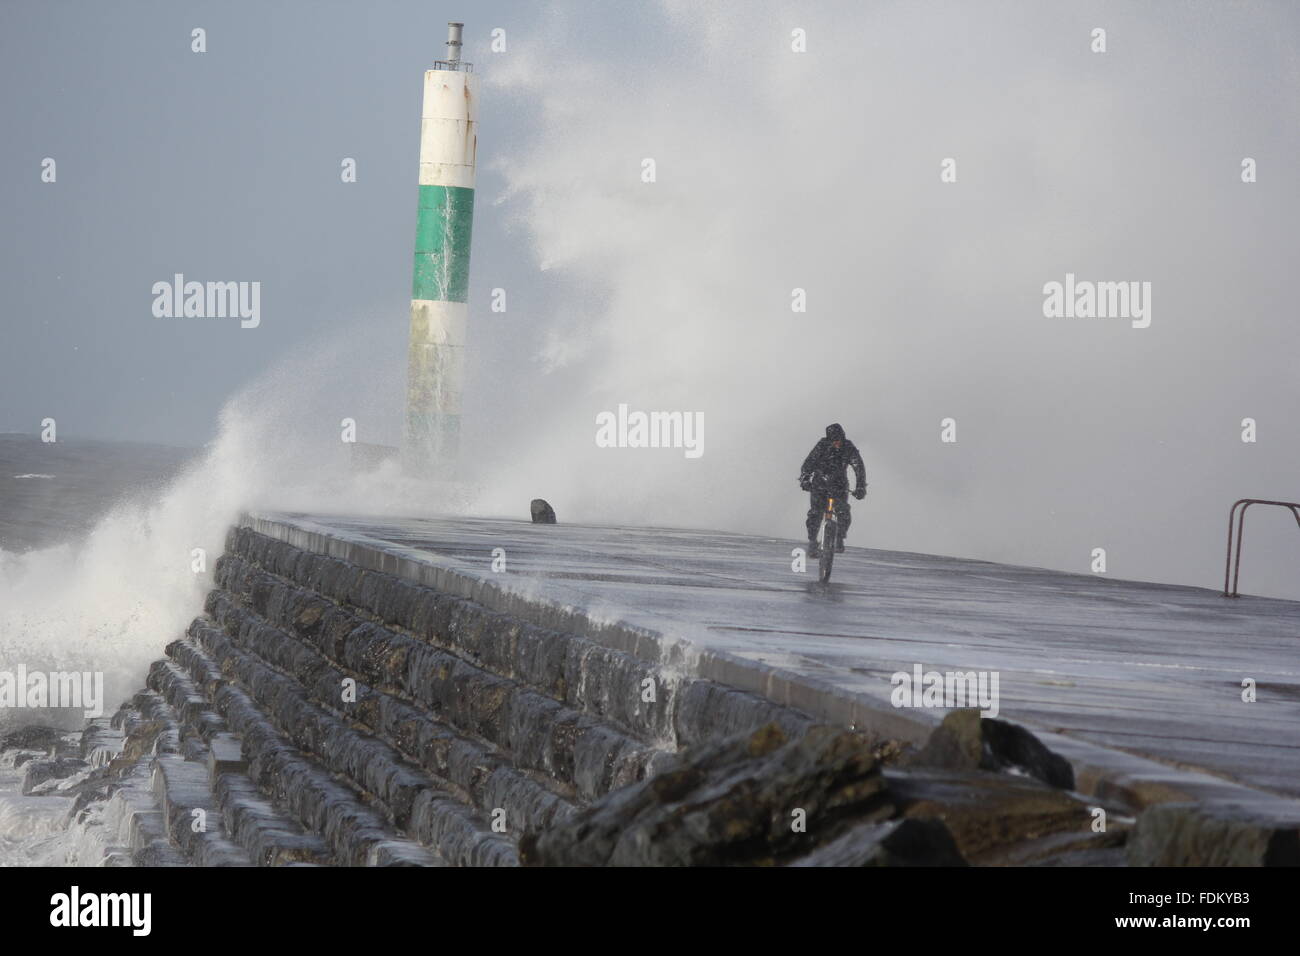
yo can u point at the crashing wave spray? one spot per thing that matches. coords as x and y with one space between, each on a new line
111 602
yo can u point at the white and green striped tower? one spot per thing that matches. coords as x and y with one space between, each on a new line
440 290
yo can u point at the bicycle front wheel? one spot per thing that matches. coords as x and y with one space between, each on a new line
830 537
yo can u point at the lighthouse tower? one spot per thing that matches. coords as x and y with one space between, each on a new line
440 288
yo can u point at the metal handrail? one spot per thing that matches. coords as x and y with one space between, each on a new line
1229 573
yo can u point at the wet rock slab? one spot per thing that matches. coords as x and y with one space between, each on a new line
1188 834
40 772
827 799
967 741
907 842
754 799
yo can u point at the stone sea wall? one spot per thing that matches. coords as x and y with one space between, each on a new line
321 713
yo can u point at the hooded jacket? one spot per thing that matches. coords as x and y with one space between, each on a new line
826 465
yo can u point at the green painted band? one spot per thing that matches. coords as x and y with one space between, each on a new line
442 237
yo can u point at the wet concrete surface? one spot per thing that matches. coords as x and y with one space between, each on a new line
1131 681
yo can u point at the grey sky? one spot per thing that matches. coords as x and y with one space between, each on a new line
223 165
776 170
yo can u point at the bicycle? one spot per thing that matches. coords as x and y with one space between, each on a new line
830 541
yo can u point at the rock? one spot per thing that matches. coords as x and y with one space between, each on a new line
1066 849
31 738
908 842
1188 834
739 801
995 818
966 741
54 768
12 759
543 513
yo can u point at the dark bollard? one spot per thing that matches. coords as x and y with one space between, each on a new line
543 513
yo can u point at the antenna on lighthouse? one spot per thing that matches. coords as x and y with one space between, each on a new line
453 62
454 31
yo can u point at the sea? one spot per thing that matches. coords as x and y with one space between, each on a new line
64 603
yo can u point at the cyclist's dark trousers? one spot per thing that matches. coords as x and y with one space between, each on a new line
817 508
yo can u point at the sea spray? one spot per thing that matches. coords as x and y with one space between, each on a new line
110 603
799 260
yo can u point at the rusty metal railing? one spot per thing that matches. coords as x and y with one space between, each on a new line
1232 570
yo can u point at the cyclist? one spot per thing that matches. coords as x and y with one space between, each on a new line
823 476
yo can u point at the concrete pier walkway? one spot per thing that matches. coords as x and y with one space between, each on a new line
1139 685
